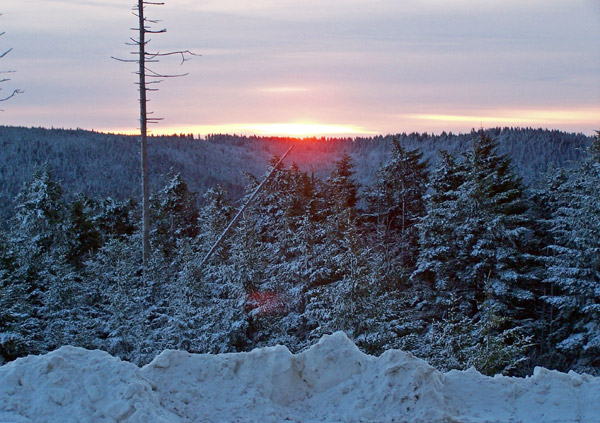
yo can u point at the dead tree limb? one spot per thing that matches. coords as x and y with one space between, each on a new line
4 79
242 209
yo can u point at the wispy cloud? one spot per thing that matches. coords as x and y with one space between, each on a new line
515 117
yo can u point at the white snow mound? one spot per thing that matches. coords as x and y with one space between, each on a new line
77 385
331 382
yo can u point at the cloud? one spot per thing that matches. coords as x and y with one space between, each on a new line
581 119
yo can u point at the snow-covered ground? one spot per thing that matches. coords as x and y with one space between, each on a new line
331 382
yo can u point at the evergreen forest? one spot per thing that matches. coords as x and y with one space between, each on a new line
478 249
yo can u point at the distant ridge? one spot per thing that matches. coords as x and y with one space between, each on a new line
102 165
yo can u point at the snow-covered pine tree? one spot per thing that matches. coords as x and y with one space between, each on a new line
116 219
439 260
211 299
41 292
341 190
84 235
395 205
503 269
573 262
213 218
114 279
478 255
175 215
339 266
11 345
269 254
503 209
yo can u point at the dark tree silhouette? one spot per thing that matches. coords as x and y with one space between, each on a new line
148 77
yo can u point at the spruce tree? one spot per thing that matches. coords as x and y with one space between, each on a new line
503 268
40 291
213 218
336 295
438 261
116 219
573 262
395 205
478 258
503 252
269 256
84 234
175 213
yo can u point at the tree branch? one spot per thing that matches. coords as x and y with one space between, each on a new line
14 93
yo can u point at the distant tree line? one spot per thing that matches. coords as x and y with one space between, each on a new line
102 165
459 262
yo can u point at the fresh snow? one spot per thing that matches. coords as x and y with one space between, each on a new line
330 382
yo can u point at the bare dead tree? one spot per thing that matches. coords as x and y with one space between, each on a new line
6 79
147 79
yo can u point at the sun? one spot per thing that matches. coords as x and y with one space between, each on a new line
302 129
285 129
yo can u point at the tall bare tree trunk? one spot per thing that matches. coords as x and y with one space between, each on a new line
144 137
143 58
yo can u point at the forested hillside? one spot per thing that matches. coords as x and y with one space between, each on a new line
457 258
104 165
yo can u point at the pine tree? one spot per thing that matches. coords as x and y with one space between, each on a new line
10 294
36 291
338 279
395 205
478 254
341 191
175 212
573 261
439 234
116 219
120 297
84 235
503 269
213 218
506 232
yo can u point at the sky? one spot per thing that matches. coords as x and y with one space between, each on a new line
308 67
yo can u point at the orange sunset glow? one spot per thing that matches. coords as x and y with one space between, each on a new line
570 119
289 129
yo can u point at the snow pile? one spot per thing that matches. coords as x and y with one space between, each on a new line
331 382
73 384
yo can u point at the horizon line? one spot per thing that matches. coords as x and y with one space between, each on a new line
171 132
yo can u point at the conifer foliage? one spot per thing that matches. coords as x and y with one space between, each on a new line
396 203
459 262
573 260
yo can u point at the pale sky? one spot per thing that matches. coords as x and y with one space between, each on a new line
347 67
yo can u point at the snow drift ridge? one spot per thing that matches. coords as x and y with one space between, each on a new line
330 382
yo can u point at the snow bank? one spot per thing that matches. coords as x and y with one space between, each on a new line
331 382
